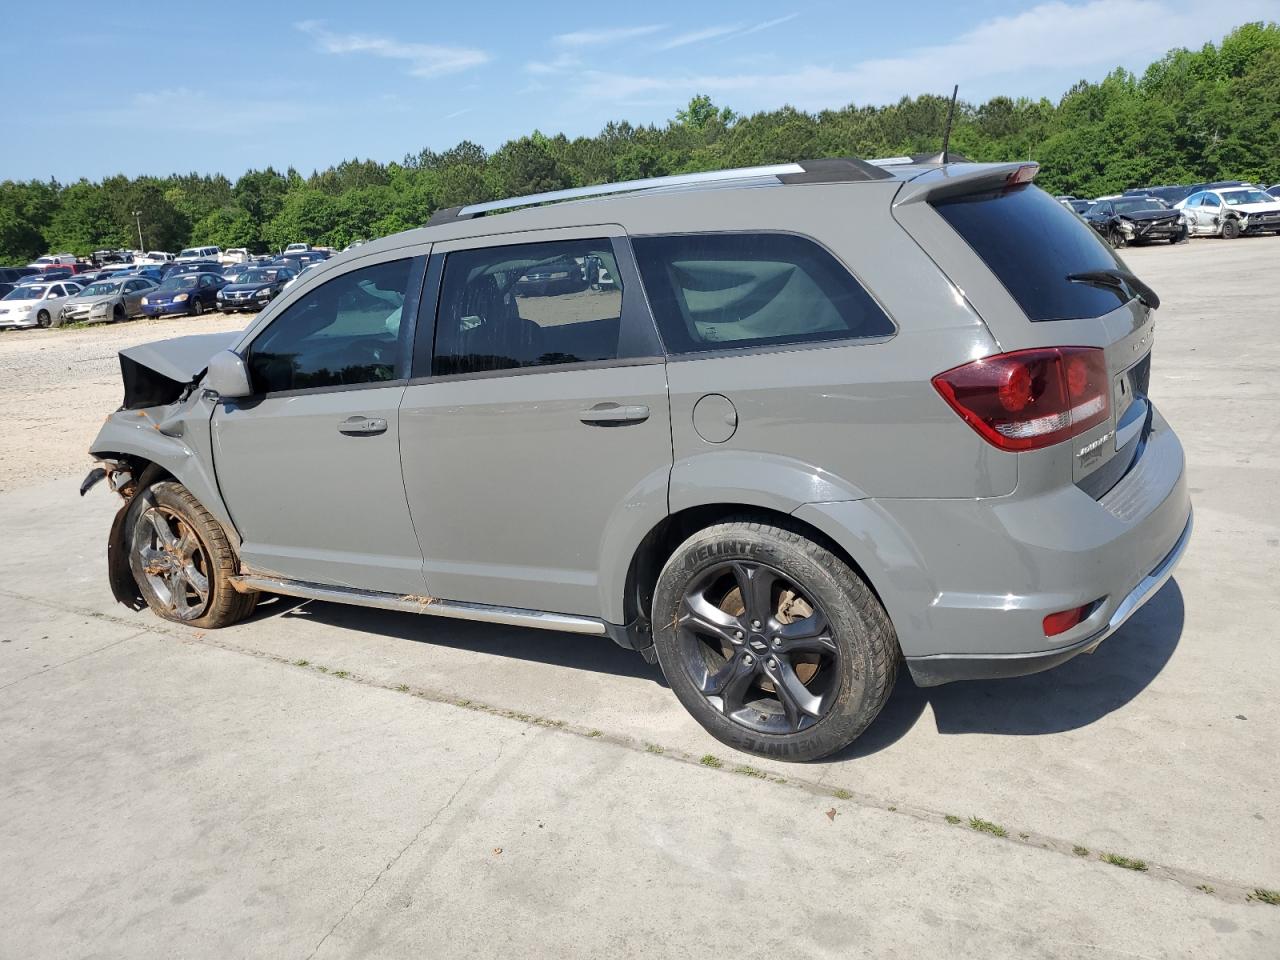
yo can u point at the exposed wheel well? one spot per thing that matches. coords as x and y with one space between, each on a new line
658 545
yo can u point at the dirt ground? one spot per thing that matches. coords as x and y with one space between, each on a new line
56 386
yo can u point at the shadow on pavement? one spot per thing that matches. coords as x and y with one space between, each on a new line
575 651
1074 695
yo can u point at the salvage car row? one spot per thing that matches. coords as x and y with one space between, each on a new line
59 289
1226 209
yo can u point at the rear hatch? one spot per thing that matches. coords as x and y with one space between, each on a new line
1041 279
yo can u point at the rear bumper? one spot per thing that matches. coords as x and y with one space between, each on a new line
968 583
931 671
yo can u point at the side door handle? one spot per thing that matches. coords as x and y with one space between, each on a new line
362 426
606 414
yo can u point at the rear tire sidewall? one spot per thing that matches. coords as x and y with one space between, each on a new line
43 320
831 584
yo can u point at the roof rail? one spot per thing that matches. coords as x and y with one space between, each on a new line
809 171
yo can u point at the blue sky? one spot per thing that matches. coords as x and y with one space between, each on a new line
226 86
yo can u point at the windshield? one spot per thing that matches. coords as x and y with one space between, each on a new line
1234 198
26 293
100 290
44 260
186 281
190 252
259 276
1137 204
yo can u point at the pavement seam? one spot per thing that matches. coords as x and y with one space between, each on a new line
1216 887
80 656
502 745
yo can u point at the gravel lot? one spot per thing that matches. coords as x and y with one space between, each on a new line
336 782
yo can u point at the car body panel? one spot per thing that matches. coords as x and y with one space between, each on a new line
26 313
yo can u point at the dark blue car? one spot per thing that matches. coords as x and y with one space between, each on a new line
189 293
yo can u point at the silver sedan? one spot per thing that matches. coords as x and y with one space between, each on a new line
117 299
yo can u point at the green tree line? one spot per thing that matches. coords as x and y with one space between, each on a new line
1208 114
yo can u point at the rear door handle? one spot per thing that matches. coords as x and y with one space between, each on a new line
362 426
613 413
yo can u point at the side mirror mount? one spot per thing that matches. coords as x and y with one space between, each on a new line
228 376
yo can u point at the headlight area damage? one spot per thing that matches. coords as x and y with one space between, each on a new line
161 430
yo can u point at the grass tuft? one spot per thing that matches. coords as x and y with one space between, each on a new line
1129 863
1263 895
655 748
986 826
843 794
710 760
341 673
1080 851
952 819
402 688
302 663
747 771
595 733
1204 888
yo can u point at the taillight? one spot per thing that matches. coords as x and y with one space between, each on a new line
1030 399
1064 620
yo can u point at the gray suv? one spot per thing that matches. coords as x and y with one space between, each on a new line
779 429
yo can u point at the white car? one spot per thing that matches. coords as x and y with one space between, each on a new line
192 254
1229 212
35 304
153 256
234 255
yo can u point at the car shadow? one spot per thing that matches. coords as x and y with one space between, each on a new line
1070 696
572 650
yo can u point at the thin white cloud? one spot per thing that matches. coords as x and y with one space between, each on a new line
1055 35
606 35
423 59
768 24
698 36
456 114
565 61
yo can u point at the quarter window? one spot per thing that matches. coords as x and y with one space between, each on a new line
528 305
712 291
344 332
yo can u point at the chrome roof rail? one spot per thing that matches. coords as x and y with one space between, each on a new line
628 186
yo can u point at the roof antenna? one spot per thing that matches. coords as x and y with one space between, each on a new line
946 132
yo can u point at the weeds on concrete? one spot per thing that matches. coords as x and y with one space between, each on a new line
952 819
402 688
655 748
1129 863
1204 888
1080 851
747 771
341 674
986 826
595 733
842 794
302 663
711 760
1263 895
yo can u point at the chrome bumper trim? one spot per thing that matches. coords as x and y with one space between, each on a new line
481 612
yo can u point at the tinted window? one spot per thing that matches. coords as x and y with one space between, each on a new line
528 305
711 291
1032 244
345 331
1210 200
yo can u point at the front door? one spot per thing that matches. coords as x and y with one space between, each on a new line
309 467
535 436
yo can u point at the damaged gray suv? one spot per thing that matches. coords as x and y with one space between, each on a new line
780 430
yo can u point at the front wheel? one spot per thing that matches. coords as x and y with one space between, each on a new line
197 308
181 560
773 644
44 320
1115 237
1230 229
117 313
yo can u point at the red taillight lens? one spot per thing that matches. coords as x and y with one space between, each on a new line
1064 620
1030 399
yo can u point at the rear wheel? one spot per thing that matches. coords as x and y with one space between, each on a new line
1230 229
197 308
772 643
181 560
44 320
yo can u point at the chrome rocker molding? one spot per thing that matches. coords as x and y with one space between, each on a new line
481 612
931 671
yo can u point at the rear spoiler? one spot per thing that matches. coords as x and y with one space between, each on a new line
957 179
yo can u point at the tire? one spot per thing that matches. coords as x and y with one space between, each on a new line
197 308
186 576
44 321
1115 238
56 320
809 621
1230 229
117 313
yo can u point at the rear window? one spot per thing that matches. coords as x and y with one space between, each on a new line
1032 243
725 290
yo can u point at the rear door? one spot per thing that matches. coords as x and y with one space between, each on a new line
535 433
309 466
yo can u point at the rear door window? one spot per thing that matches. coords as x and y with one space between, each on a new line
1032 244
724 290
528 305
